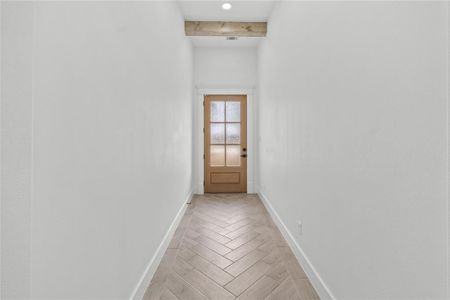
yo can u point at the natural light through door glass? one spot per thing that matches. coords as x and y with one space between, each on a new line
217 158
217 111
233 156
233 111
233 133
218 133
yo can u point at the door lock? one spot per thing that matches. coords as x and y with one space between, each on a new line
244 155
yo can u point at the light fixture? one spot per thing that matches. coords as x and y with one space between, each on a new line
226 6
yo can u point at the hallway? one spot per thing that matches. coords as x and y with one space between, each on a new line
119 119
226 246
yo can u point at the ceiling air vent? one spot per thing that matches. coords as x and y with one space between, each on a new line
231 38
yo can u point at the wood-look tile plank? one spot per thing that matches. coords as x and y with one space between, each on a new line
236 233
244 249
277 272
181 289
214 212
278 238
191 234
263 229
210 219
245 262
240 215
260 289
240 223
273 257
212 235
185 253
168 295
241 240
247 278
213 245
154 291
214 227
215 258
188 243
200 281
210 270
267 247
285 291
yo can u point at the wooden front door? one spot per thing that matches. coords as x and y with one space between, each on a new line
225 143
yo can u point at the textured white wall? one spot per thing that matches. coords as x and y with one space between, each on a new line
111 120
353 121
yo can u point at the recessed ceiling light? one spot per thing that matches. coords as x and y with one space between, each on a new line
226 6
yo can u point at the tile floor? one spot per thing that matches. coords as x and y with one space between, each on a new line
227 247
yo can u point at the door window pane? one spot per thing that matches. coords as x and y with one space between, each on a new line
233 156
217 111
217 156
233 133
233 111
218 133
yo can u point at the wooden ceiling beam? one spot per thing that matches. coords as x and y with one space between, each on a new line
219 28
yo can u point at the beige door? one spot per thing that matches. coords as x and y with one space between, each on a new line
225 143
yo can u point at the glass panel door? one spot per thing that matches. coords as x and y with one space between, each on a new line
225 143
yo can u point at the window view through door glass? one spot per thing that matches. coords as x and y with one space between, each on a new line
225 133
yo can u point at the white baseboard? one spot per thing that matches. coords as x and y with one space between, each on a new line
316 280
144 281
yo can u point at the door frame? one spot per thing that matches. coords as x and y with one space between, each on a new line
198 138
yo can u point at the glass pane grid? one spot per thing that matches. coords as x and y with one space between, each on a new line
225 134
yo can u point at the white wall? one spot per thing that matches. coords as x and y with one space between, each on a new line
225 67
16 86
353 141
111 145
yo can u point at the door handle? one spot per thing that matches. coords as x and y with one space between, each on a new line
244 155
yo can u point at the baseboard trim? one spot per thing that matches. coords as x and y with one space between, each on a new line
144 281
316 280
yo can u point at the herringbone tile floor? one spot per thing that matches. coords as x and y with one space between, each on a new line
227 247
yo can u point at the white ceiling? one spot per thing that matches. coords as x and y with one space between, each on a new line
211 10
241 11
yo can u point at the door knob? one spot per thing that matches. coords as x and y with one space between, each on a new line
244 155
